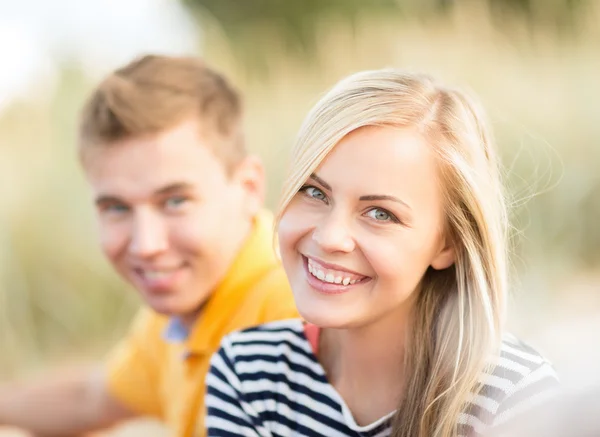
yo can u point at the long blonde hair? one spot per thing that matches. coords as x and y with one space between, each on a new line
458 318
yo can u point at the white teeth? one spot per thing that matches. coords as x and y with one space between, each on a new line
156 275
329 277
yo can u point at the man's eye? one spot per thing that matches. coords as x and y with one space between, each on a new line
116 209
175 202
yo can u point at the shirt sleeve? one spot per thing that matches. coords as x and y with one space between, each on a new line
132 367
228 414
538 387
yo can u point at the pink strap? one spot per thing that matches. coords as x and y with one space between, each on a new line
312 335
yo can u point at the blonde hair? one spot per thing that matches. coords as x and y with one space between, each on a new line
156 92
459 314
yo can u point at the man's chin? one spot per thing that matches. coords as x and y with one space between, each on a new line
171 306
167 305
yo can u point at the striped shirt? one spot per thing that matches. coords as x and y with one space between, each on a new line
267 382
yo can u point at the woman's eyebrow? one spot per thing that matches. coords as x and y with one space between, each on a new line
372 197
320 181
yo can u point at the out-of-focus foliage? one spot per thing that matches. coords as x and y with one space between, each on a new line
296 22
553 12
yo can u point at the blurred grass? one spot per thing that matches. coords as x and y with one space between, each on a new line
59 300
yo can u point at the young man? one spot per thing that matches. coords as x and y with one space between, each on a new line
179 204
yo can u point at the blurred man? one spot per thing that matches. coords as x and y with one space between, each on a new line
179 203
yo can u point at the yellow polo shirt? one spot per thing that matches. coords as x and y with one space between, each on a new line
165 379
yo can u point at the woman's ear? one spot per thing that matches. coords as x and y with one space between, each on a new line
445 256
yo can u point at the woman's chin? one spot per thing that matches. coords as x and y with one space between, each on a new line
324 318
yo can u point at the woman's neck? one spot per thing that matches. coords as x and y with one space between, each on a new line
366 365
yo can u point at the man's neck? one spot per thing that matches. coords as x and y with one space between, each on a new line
188 320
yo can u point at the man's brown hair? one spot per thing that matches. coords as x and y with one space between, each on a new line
156 92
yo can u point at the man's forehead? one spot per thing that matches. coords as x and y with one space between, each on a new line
181 143
153 171
140 168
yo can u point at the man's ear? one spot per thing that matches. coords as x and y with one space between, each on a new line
250 176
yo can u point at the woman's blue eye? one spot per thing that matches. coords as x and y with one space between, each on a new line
315 193
381 215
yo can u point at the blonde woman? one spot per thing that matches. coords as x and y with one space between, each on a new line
392 231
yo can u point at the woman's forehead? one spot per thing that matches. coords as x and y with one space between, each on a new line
380 157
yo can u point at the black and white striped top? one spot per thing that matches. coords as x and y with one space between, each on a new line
267 382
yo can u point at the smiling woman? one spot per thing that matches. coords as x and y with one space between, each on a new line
392 234
385 230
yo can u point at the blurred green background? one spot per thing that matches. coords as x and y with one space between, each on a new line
535 65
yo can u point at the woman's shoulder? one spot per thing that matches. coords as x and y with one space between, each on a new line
272 353
518 361
518 379
274 338
280 330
